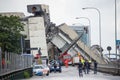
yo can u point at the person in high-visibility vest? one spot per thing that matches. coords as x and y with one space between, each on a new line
82 60
89 61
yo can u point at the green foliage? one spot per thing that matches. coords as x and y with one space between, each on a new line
26 74
10 28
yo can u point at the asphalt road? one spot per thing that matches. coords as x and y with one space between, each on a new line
71 73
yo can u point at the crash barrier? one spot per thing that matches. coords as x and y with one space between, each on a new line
109 68
13 64
17 74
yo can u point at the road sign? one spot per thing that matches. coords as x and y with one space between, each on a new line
118 42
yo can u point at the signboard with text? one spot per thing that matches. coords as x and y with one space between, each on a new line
118 44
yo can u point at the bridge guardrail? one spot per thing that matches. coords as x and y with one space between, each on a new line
111 68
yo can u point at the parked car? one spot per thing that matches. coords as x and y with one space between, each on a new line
41 70
46 68
53 64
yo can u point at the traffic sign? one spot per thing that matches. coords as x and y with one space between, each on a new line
118 42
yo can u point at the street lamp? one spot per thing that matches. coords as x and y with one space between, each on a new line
99 23
89 34
116 28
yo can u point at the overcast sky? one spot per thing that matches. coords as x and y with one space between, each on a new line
65 11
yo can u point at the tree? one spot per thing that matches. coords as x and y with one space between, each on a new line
10 28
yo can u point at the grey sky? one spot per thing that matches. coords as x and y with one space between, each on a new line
65 11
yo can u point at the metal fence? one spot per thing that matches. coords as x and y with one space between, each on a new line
10 62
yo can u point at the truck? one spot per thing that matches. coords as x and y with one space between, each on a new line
75 60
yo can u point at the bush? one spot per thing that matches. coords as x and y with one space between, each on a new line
26 74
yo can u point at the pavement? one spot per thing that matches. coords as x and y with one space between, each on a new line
71 73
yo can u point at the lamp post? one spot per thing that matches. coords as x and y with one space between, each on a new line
99 23
115 28
89 34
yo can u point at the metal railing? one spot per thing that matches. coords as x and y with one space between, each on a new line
10 62
111 68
